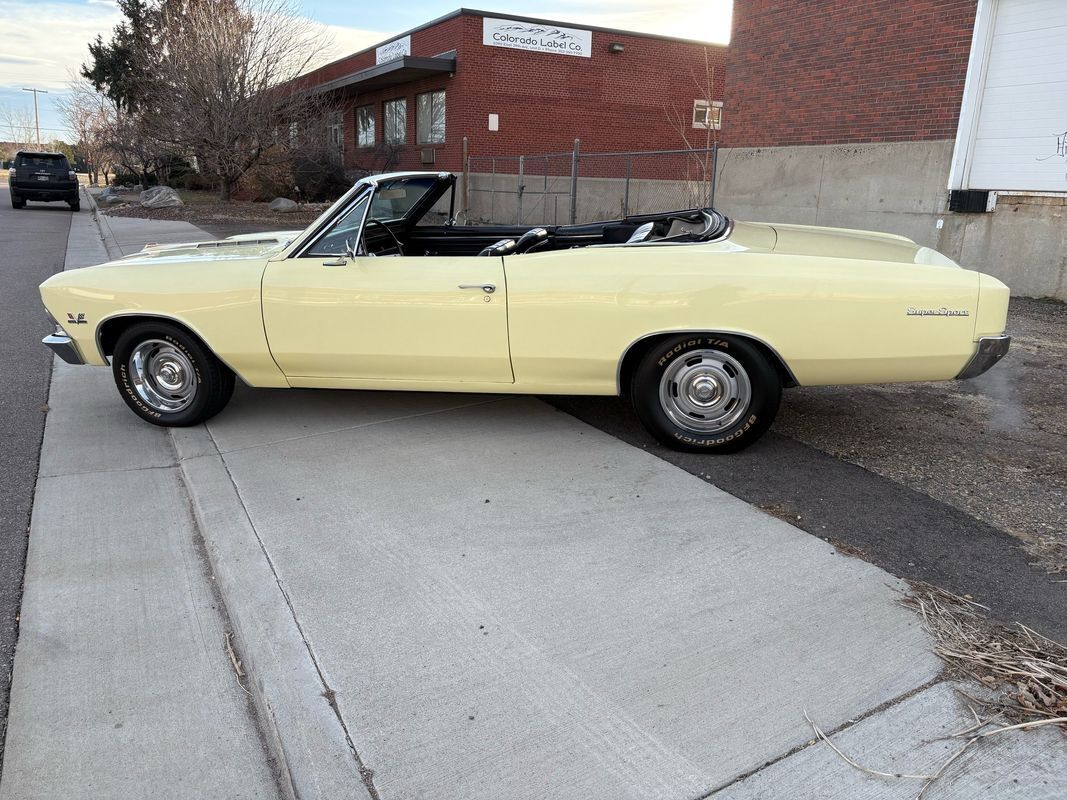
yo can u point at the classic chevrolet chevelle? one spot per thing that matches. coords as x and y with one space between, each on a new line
700 320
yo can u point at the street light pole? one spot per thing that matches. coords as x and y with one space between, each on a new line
36 115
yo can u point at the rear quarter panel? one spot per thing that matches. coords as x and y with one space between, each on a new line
572 314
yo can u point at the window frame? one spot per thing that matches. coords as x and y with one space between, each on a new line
371 117
418 117
403 118
711 121
335 132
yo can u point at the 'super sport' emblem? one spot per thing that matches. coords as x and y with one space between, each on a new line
76 320
937 312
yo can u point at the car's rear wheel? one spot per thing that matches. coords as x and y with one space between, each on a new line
75 205
167 376
17 202
706 393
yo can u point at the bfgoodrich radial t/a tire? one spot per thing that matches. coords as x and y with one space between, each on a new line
167 377
706 393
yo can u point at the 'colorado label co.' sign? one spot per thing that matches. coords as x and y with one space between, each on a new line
536 37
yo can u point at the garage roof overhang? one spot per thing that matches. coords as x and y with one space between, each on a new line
392 73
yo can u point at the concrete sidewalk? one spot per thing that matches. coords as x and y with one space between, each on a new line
122 685
450 596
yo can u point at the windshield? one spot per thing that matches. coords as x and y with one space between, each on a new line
394 199
343 235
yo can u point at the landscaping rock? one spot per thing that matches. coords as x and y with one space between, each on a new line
283 205
109 199
160 197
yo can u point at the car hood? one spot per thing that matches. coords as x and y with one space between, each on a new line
810 240
247 244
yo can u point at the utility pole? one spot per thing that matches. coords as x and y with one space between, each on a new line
36 115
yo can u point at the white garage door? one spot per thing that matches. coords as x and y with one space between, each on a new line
1017 133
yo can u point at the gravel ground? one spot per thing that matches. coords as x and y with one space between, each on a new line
994 447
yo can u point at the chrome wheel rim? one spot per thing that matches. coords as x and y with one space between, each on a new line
705 391
163 376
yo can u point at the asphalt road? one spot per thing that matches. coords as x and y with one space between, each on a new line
33 243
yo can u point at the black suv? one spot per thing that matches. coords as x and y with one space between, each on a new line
42 176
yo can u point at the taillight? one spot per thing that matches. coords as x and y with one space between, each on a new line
71 176
11 174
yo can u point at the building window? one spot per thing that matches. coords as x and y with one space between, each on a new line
430 117
707 115
335 133
365 126
396 121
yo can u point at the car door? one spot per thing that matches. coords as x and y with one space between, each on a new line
386 318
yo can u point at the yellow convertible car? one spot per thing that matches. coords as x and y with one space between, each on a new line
699 319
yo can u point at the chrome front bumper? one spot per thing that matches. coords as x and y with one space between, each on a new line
990 350
62 346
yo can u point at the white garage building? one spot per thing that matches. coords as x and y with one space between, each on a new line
1013 123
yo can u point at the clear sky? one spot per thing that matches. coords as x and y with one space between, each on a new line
45 42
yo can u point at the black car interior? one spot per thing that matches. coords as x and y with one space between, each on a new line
396 236
401 203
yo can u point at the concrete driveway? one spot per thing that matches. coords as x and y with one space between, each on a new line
504 602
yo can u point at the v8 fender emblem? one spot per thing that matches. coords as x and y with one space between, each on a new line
76 320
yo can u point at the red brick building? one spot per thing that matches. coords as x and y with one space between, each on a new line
516 85
841 71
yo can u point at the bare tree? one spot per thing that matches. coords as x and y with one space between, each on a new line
229 80
92 118
698 134
19 126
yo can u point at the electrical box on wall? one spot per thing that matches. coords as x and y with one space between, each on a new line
428 155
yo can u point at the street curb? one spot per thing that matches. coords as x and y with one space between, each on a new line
106 235
293 701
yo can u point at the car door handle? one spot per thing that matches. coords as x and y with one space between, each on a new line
340 261
488 288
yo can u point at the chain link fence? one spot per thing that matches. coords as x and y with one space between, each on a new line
575 187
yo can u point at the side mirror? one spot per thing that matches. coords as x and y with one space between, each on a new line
350 249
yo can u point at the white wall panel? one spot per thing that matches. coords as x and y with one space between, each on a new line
1020 139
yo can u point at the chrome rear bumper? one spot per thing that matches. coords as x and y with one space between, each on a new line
62 346
990 350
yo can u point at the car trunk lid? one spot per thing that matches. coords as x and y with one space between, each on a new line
807 240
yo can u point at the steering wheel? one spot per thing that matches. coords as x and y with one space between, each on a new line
399 249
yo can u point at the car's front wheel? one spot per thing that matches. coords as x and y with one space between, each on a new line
706 393
167 376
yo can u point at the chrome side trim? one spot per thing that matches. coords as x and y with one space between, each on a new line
990 350
681 331
64 347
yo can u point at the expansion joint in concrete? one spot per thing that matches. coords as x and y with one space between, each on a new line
365 772
850 723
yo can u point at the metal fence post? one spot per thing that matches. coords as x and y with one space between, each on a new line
626 192
522 187
714 172
574 181
466 180
492 193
